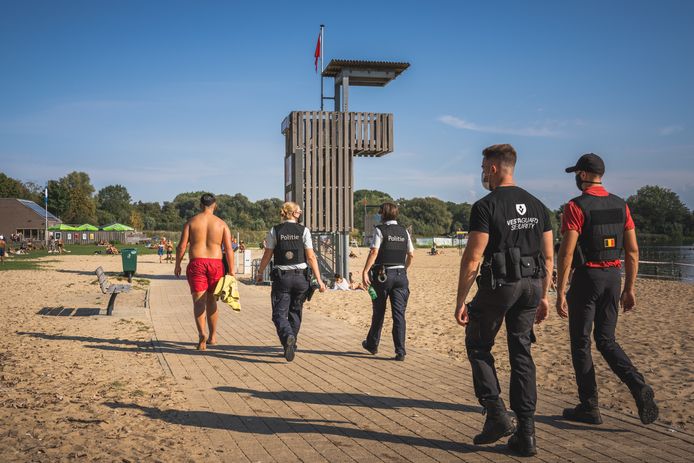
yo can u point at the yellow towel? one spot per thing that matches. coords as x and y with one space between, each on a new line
227 290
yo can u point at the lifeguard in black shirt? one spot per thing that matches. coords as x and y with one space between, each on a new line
510 242
386 271
290 244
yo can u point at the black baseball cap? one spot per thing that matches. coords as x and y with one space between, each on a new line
589 162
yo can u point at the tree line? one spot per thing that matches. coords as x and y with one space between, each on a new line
656 210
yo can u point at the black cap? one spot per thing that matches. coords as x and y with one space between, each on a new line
589 162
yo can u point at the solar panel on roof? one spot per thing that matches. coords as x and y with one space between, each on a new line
38 209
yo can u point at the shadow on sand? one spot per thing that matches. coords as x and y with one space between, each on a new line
278 425
69 311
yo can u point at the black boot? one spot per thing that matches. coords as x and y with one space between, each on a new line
497 425
522 442
645 401
585 412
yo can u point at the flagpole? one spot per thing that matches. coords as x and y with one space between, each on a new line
322 26
45 197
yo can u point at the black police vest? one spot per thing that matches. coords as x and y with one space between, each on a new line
289 249
602 236
393 250
517 223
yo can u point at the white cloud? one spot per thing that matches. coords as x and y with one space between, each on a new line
541 131
669 130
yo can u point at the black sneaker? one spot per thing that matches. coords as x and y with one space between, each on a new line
645 401
373 351
583 413
399 357
290 348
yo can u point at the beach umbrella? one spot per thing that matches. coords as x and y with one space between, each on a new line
87 227
62 227
117 227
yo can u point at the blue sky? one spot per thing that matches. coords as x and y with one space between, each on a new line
167 97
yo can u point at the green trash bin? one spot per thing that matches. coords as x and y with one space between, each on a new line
129 256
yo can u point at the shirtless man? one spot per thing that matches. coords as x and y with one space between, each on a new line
3 246
206 233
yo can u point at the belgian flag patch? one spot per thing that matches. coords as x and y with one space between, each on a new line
609 243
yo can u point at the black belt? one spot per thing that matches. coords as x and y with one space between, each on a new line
292 270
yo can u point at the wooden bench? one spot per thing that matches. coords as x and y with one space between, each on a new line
113 290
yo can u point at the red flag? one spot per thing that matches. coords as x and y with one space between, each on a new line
316 54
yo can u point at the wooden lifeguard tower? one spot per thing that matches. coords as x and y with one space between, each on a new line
320 147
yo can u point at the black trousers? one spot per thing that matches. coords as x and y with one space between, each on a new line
593 300
288 295
396 287
516 303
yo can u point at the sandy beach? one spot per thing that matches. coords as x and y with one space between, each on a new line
62 375
63 372
657 336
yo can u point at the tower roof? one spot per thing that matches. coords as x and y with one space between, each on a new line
365 73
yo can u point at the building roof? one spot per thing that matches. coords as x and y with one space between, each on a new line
365 73
38 209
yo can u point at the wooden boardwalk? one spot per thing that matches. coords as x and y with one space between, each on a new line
336 402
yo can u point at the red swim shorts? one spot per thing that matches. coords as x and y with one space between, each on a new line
203 274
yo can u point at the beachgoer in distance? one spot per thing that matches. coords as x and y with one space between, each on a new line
291 246
340 283
160 248
386 267
169 251
3 247
205 232
511 235
354 284
596 226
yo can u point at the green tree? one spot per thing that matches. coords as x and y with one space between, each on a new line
82 207
269 211
169 218
370 198
428 216
659 210
58 198
71 198
113 204
150 213
136 221
11 188
188 204
460 215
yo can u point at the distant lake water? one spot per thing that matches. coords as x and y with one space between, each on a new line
674 262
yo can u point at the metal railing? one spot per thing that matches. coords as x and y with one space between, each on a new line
325 248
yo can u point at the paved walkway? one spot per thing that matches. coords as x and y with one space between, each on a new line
336 403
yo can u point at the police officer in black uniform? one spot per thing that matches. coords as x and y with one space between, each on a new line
596 227
510 233
386 271
289 243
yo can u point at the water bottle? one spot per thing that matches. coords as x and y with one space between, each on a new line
372 293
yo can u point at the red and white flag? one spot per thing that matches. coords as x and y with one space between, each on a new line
316 54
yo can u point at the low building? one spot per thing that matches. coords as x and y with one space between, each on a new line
24 217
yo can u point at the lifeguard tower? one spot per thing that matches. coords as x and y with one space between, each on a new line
320 147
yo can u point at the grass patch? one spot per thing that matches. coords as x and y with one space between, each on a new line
118 384
90 249
29 261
